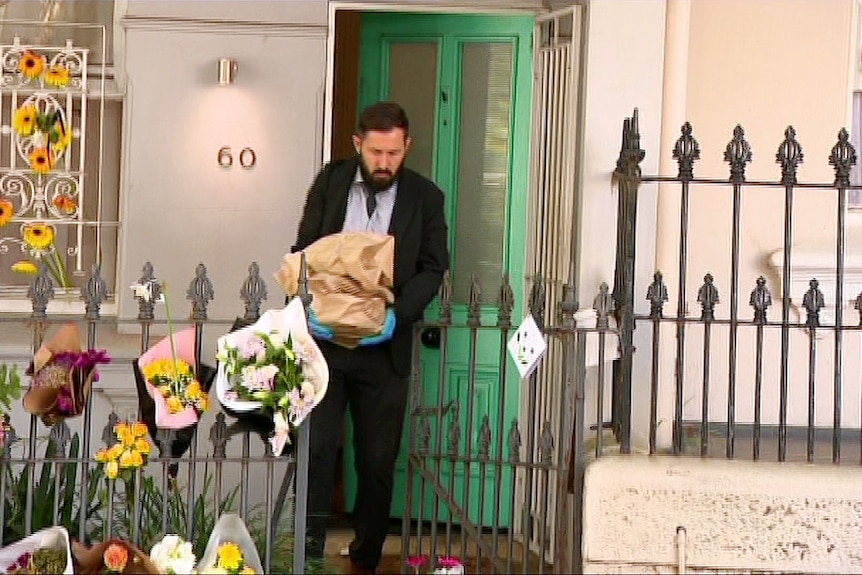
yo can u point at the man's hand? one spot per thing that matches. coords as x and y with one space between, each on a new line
318 330
385 333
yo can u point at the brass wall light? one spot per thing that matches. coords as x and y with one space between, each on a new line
227 68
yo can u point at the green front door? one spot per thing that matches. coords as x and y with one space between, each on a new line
465 82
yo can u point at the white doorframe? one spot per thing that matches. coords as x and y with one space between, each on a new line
432 6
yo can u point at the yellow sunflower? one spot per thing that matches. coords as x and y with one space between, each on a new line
57 76
38 236
42 160
64 139
7 210
31 64
24 120
66 204
25 267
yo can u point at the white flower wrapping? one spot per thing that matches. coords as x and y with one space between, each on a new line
50 537
285 323
230 529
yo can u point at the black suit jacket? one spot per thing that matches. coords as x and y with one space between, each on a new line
419 226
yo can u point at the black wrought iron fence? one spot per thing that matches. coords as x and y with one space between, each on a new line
49 475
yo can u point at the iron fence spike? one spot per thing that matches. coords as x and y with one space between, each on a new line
789 155
738 154
200 293
253 292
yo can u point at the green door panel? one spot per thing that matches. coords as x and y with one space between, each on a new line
465 82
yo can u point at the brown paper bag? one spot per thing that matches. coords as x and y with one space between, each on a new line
350 275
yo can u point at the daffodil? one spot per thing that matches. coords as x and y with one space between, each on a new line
193 390
25 267
41 160
24 120
38 236
57 76
230 556
112 469
175 404
139 429
31 64
7 210
143 446
131 458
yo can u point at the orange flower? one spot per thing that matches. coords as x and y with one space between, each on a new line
31 64
41 160
66 204
116 557
7 210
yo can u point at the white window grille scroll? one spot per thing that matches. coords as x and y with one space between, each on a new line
43 94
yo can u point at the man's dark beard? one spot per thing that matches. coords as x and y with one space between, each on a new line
375 184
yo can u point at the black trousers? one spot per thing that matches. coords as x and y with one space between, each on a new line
364 380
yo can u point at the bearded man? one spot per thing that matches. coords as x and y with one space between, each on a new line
372 191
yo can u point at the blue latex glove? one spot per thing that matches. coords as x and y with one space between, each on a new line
385 334
318 330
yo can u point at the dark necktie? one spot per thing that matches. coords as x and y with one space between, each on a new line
370 201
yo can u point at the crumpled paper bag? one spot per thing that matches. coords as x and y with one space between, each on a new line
350 275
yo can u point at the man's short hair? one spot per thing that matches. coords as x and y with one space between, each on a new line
383 117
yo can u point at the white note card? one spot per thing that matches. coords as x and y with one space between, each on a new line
527 346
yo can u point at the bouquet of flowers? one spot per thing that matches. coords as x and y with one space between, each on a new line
230 549
62 375
46 552
172 387
112 556
272 366
173 556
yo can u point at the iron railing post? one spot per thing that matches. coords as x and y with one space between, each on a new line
628 172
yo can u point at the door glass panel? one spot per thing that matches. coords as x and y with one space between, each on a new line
413 84
483 170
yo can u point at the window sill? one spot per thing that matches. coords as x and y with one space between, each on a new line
14 300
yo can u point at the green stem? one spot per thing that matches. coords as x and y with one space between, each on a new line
55 273
171 334
61 269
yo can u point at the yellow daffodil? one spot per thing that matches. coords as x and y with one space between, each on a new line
57 76
131 458
126 437
112 469
139 429
7 210
143 446
204 402
165 368
41 160
165 390
230 556
193 390
38 236
66 204
115 451
247 571
31 64
101 456
175 404
25 267
24 120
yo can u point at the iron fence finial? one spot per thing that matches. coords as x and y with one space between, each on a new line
41 291
686 151
147 305
537 301
738 154
813 301
446 298
604 306
657 296
474 309
707 297
514 441
95 292
253 292
842 158
200 293
760 300
507 304
789 155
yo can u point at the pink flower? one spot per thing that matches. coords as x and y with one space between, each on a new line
417 562
258 378
449 562
253 347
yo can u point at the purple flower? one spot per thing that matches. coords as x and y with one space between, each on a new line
64 401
